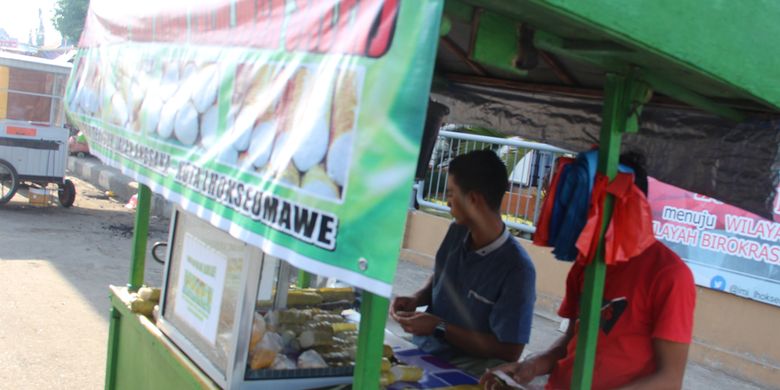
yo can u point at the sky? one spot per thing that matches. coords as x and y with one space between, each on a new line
20 16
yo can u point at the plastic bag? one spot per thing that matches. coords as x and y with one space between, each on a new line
283 362
311 359
258 331
271 341
265 353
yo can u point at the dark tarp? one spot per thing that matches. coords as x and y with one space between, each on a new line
736 163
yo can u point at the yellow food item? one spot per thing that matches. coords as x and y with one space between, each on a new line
292 316
386 378
344 327
258 331
142 306
407 373
313 338
325 326
262 358
149 294
334 294
387 351
385 364
315 311
303 298
344 103
291 176
295 329
317 181
330 318
325 349
336 356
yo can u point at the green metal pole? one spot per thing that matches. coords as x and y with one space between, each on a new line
140 235
371 338
304 279
613 122
113 345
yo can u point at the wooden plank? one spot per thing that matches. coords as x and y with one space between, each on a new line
560 72
458 52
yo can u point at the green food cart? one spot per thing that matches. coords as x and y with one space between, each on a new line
287 134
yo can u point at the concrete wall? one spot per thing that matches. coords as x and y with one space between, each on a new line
736 335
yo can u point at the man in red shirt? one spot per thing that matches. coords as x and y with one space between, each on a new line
645 331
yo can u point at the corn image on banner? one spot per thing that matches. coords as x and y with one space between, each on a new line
293 125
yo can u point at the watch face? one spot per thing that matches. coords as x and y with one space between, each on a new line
440 329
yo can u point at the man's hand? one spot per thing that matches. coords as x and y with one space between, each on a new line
522 373
491 382
402 305
417 323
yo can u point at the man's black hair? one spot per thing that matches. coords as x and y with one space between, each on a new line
636 161
481 171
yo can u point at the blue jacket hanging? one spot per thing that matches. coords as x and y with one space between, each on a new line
570 208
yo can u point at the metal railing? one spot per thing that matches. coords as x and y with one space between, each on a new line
530 166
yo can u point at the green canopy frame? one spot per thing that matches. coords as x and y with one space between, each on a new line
710 56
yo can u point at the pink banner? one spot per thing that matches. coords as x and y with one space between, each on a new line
727 248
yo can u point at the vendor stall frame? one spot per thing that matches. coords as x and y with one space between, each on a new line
627 87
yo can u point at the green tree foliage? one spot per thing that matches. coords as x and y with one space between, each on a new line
69 17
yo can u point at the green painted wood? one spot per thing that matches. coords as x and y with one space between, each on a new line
147 360
623 95
446 26
140 236
304 279
669 88
113 345
587 337
729 41
716 48
371 338
616 61
496 42
459 11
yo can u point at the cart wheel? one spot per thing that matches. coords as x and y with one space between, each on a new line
66 193
9 181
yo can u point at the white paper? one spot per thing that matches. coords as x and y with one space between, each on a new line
199 289
507 379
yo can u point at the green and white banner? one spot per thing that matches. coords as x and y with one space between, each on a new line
293 125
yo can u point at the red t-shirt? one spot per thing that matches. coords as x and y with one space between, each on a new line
650 296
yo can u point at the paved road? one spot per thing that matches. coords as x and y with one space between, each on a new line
55 266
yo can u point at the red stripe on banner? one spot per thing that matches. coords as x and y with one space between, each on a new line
380 43
356 27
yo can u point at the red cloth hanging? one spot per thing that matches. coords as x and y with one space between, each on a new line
542 234
630 231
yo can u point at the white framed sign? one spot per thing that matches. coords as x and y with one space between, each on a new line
200 286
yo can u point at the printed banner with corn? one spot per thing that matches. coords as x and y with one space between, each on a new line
293 125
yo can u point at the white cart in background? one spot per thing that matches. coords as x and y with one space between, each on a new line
33 141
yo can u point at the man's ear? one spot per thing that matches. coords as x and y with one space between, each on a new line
475 198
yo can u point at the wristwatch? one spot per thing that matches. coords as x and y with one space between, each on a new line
440 330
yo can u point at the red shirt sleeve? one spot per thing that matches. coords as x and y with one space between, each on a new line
673 300
570 306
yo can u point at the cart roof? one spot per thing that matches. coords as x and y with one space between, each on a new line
34 63
716 56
